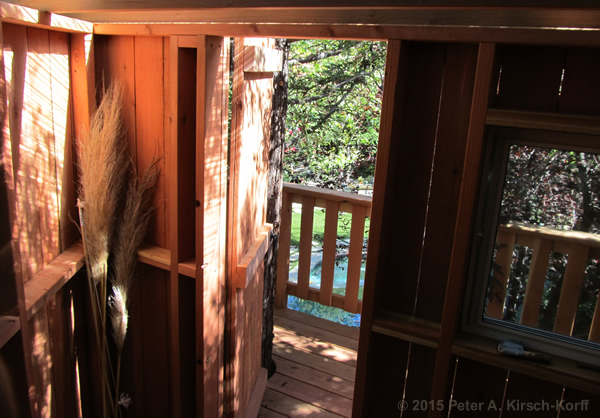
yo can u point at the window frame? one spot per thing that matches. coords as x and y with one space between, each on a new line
498 141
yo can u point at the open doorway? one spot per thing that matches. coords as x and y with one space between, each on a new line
333 102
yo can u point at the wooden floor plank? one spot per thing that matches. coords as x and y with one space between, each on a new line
320 333
314 361
313 321
316 367
292 407
267 413
311 394
318 378
316 346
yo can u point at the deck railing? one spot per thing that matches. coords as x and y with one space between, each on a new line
580 247
333 202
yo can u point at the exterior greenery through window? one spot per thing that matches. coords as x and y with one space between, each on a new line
541 248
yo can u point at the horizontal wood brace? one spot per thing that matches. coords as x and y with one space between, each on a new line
253 258
563 371
9 326
407 328
53 277
337 301
556 122
12 13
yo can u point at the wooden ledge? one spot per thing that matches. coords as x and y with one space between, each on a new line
407 328
9 326
12 13
562 371
53 277
253 258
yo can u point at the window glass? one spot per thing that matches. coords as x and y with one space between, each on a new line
544 270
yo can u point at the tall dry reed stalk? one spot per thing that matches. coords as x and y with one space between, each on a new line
131 231
102 168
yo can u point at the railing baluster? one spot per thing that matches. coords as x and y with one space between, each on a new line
329 247
304 256
283 256
357 233
571 289
535 282
505 242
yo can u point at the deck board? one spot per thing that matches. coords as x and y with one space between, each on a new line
316 364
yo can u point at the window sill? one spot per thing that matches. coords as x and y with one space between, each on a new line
561 370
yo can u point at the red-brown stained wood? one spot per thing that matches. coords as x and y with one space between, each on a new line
477 384
453 125
530 77
149 90
575 403
523 390
393 87
419 379
415 134
581 84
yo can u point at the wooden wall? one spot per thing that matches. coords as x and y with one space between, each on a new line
428 170
43 326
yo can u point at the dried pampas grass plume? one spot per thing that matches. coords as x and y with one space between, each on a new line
102 174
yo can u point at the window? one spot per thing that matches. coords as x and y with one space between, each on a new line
536 273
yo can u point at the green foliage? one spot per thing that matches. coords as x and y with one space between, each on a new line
335 92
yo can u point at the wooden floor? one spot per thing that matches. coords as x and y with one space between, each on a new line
316 363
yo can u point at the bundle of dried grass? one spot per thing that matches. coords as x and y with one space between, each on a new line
130 236
102 177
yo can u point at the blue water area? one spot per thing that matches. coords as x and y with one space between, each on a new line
326 312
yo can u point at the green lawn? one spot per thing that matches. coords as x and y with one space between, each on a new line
343 232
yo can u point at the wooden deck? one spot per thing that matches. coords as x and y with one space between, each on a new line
316 364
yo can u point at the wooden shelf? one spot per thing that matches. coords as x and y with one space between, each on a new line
407 328
9 326
562 371
187 268
52 277
155 256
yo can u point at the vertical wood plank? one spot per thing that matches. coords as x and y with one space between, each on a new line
580 404
329 250
530 77
479 383
523 389
535 282
357 234
211 228
82 81
464 222
305 250
173 288
149 79
283 256
41 358
594 334
451 140
416 135
505 243
570 291
115 61
581 84
60 90
38 165
390 115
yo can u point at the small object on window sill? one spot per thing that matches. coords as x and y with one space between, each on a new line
513 349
